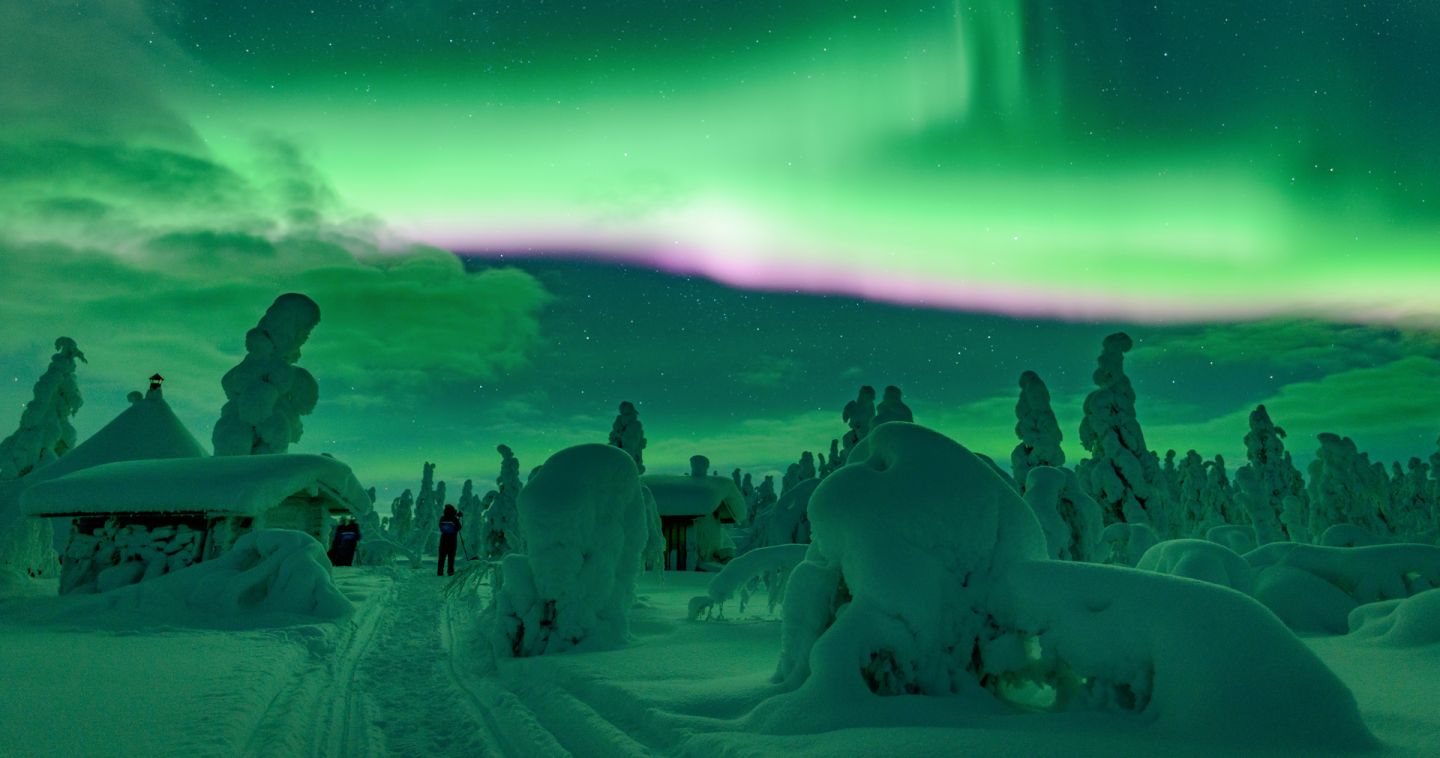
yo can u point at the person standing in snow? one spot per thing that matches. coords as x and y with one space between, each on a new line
346 540
449 540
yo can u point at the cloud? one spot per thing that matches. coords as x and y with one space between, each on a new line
1293 343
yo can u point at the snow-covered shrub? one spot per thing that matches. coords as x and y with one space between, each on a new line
1070 518
1187 657
500 530
1199 559
1121 473
787 522
583 516
1291 579
1411 622
628 434
1187 506
266 394
1347 535
892 597
1037 429
402 517
766 567
892 408
45 432
268 571
1124 544
424 537
1239 538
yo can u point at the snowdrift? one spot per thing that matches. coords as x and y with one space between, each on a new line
267 573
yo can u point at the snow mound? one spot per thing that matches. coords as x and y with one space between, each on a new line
1411 622
1313 588
1189 657
585 523
1240 538
268 571
1347 535
1199 559
1124 544
908 539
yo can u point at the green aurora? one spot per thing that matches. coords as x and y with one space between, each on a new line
1247 187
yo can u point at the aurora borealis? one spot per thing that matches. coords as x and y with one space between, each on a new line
1248 187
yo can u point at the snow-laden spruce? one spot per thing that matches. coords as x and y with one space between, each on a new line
1121 473
1037 429
628 434
1070 518
45 432
892 408
583 515
1345 489
859 414
402 517
1268 480
266 394
425 538
500 529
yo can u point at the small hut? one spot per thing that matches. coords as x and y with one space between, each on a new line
138 519
692 510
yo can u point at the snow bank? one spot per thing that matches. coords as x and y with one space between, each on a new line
908 538
1189 657
1199 559
269 571
765 566
583 517
1240 538
1411 622
1125 544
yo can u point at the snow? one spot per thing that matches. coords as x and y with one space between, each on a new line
584 519
1313 588
1199 559
45 432
244 485
1070 518
1121 474
1412 622
696 496
1037 429
767 566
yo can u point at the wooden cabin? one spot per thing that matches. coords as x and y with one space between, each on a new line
142 518
692 512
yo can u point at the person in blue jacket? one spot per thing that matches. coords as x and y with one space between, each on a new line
449 540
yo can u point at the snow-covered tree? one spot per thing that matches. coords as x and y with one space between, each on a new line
1344 489
1219 507
1412 508
699 466
628 434
425 537
807 466
45 432
832 461
1037 429
1267 479
402 517
1189 509
892 408
267 393
860 415
764 498
500 534
469 505
586 532
1070 518
1121 472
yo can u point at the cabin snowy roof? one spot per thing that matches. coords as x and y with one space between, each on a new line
696 496
240 484
147 430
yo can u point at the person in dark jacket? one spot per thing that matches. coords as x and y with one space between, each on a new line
449 540
342 547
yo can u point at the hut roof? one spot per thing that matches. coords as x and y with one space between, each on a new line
696 496
241 484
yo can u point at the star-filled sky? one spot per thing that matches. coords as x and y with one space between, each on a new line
515 215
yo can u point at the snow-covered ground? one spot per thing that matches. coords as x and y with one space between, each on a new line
407 674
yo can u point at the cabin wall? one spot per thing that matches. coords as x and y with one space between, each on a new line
302 514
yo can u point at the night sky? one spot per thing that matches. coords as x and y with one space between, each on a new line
937 196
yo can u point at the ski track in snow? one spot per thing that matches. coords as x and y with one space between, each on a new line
407 676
